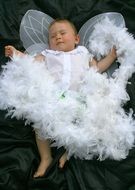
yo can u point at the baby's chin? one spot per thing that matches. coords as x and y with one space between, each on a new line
61 47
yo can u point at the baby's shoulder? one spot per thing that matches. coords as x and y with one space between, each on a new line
40 58
82 49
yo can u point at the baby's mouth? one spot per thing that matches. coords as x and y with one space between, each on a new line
58 43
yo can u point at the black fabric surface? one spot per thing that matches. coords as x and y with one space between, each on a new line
18 151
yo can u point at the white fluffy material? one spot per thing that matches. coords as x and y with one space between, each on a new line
88 123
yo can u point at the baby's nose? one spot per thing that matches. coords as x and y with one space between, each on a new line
58 36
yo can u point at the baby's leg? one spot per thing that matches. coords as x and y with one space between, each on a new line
63 160
45 155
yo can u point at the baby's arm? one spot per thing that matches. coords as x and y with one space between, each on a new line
106 62
11 50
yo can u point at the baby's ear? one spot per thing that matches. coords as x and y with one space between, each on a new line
77 40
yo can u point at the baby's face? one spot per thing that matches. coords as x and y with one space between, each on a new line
62 37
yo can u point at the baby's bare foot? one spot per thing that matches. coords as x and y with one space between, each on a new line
63 160
42 167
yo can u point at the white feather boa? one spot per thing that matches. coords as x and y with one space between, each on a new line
88 123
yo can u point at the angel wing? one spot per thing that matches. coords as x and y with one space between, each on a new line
88 33
88 27
34 31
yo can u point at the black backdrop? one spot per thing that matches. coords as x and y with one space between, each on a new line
18 152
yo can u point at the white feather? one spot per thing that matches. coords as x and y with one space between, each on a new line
88 123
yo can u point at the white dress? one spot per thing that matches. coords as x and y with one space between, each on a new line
68 68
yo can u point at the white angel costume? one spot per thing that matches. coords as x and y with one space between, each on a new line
67 101
68 68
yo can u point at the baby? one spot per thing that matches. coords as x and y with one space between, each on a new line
70 62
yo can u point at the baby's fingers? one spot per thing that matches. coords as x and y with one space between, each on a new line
9 51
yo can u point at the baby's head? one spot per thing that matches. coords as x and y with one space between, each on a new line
62 35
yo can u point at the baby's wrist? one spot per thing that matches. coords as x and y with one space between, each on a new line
112 56
18 53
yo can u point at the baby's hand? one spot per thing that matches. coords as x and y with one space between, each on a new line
9 51
113 53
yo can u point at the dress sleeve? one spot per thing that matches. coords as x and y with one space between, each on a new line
43 53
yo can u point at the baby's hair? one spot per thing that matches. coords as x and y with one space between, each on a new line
61 20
